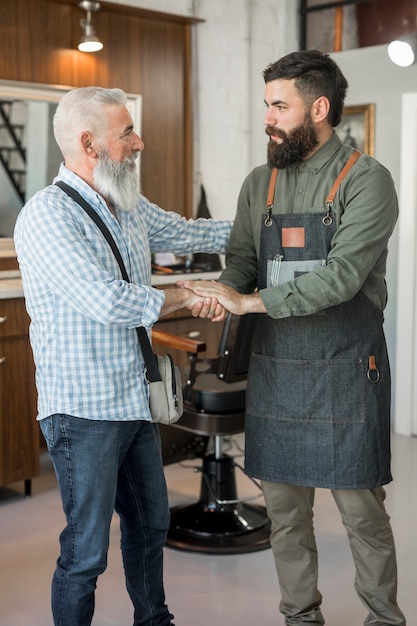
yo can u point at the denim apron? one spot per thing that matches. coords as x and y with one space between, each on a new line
318 393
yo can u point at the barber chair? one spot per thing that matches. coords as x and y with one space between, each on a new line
214 408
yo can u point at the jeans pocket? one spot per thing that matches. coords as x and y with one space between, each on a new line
47 430
307 390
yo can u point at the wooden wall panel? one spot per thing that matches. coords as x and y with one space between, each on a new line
381 21
144 52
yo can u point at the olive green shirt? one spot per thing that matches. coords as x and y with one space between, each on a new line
366 210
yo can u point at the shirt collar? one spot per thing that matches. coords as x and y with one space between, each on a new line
87 192
320 158
323 155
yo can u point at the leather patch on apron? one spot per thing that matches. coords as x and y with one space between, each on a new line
293 237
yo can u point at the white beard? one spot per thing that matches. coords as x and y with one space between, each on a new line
117 182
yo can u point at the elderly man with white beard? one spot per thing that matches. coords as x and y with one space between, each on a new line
93 403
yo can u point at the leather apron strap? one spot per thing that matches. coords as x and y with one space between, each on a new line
329 200
271 190
348 165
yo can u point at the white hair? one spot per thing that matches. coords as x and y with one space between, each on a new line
78 111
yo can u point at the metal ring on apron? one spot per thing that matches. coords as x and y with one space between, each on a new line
268 220
373 372
328 219
372 376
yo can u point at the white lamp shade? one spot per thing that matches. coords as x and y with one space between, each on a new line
90 44
402 52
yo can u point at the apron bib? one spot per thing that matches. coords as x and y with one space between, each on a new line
323 418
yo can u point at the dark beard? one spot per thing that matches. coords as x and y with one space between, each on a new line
295 147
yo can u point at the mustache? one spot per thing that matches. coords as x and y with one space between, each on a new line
132 158
275 132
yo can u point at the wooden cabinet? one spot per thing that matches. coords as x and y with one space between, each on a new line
19 430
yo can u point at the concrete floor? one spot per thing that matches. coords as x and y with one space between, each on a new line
202 589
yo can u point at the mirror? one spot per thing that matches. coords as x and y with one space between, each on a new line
29 155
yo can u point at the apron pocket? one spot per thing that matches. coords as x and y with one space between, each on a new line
330 391
279 272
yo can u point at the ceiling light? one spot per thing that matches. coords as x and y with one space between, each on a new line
403 50
89 42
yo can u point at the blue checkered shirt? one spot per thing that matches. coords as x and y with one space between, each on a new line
83 314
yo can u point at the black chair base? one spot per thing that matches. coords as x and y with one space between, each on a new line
193 528
218 523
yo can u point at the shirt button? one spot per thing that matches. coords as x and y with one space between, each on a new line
301 190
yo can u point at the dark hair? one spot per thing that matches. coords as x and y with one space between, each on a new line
315 74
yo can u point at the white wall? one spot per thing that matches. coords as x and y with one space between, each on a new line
235 43
374 78
406 362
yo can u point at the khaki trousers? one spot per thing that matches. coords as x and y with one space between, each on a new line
290 509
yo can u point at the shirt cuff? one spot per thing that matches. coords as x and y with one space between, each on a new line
155 299
274 302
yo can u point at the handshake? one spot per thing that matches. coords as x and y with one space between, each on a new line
213 300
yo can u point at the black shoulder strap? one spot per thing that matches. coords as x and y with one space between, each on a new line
98 221
153 373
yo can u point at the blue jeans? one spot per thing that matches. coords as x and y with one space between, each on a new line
103 466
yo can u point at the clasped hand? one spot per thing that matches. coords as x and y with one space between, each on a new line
217 299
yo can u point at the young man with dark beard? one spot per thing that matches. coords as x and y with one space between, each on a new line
308 254
93 400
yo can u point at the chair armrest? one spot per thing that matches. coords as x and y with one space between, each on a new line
186 344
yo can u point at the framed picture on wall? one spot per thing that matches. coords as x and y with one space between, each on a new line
357 127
